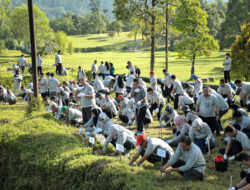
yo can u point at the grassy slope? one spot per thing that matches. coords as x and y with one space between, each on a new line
36 152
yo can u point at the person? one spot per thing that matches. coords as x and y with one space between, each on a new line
39 62
197 85
207 108
94 69
86 93
64 96
56 110
58 62
3 93
238 143
186 100
226 91
189 114
106 69
168 116
80 73
193 165
156 102
167 87
22 63
112 69
43 84
245 175
130 67
129 81
123 137
153 80
109 107
148 150
10 97
177 90
182 128
53 85
127 114
241 122
245 93
99 85
201 135
119 86
235 108
140 96
74 116
26 94
101 70
17 83
190 90
227 68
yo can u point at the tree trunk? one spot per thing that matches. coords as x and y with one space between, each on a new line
152 60
193 61
166 39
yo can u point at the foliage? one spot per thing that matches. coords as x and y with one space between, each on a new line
240 51
237 14
61 39
112 34
35 104
20 26
70 47
116 26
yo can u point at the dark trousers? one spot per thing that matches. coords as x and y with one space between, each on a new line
191 174
167 92
176 101
227 76
201 144
39 70
140 113
22 69
128 89
211 121
154 158
128 145
44 95
59 69
109 113
123 118
153 107
235 148
94 75
65 102
86 114
102 75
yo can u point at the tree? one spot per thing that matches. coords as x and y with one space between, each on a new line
20 26
240 51
70 47
61 40
237 14
191 21
116 26
112 34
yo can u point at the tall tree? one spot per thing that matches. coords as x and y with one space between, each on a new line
237 14
191 21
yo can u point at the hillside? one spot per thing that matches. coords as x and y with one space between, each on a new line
57 8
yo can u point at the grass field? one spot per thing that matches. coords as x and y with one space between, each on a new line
205 66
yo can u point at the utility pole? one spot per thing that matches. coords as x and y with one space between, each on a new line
33 47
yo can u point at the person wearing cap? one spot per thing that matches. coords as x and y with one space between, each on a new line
193 165
238 143
140 96
109 107
167 86
245 93
227 67
147 148
156 101
241 122
197 85
153 80
177 90
207 108
123 137
99 85
182 128
245 175
86 93
226 91
186 100
201 135
74 85
74 116
168 116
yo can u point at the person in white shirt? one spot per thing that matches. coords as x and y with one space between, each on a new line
227 68
22 63
53 85
43 85
130 67
226 91
127 114
245 93
197 85
153 80
39 62
101 70
129 81
80 73
167 85
10 97
74 116
17 83
58 62
94 69
106 69
177 90
109 107
119 86
3 93
99 85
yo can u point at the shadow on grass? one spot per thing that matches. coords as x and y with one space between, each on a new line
98 38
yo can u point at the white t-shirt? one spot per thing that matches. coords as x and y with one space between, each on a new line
44 85
58 58
39 62
177 85
52 83
227 67
94 68
22 61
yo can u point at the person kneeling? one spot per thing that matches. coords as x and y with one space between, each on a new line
148 150
194 165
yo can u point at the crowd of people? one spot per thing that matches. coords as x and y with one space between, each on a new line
91 106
